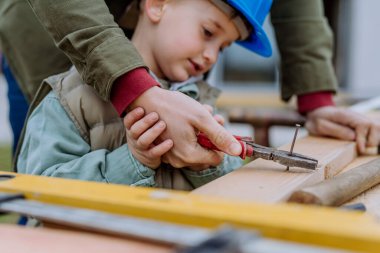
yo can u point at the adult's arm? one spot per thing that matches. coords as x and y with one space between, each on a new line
87 33
24 43
305 43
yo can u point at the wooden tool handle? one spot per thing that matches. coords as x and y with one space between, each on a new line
338 190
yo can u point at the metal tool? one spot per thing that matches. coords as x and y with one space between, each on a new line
251 149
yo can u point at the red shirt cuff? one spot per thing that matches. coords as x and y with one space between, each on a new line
310 101
130 86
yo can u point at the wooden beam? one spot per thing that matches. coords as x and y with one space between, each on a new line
268 182
371 197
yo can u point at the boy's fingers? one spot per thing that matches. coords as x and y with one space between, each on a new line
139 127
149 136
161 149
133 116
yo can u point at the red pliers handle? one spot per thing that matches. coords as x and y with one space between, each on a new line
247 150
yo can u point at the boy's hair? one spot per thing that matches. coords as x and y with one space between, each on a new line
239 20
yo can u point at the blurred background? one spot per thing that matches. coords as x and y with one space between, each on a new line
355 26
254 80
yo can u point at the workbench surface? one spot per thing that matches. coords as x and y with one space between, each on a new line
268 182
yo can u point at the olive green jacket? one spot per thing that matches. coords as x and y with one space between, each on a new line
87 32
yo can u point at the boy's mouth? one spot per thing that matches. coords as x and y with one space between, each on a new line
198 68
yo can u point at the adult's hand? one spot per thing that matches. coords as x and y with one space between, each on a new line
344 124
184 118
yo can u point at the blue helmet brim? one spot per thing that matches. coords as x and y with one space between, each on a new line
258 41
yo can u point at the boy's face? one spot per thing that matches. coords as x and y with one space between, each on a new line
189 36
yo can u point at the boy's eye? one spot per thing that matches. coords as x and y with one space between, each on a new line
207 32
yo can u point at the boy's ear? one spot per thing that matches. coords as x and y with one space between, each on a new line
154 9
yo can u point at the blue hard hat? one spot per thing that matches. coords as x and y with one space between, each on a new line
255 12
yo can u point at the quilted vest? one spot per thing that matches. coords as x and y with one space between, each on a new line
100 125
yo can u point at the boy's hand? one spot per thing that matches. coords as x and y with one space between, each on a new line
142 131
184 118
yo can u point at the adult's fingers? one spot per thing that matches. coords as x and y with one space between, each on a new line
218 135
373 136
331 129
208 108
209 158
219 118
361 136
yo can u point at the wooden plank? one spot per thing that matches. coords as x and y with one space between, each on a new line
268 182
18 239
251 99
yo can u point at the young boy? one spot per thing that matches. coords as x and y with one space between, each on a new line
73 133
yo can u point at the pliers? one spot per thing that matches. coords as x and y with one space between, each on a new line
251 149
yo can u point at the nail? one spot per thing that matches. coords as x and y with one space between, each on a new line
293 142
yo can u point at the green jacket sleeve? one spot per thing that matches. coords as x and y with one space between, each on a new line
53 147
89 36
24 43
305 42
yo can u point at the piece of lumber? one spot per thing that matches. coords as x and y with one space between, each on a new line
371 197
268 182
341 188
18 239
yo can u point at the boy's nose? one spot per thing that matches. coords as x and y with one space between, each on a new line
211 54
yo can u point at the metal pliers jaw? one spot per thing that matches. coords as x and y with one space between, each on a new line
251 149
281 156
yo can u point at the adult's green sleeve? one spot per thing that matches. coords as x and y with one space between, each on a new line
305 43
87 33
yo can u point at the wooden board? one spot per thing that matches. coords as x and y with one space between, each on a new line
17 239
268 182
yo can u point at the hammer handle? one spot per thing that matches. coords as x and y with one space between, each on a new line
340 189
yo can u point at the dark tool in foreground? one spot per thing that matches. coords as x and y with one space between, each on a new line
251 149
338 190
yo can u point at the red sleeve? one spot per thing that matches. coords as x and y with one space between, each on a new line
311 101
130 86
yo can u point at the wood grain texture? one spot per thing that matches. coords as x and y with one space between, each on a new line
268 182
18 239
